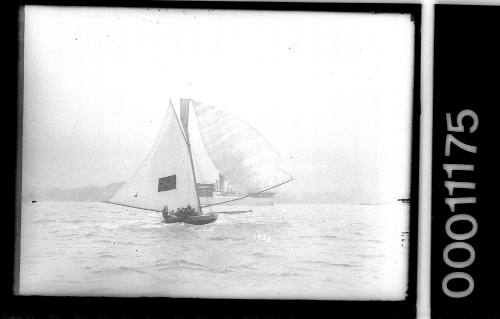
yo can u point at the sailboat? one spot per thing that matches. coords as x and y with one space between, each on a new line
192 154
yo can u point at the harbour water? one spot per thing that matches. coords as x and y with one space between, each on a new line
284 251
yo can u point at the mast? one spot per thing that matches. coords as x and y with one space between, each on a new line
184 111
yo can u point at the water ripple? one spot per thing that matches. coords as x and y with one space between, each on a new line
83 248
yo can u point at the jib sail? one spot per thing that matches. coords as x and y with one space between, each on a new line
166 177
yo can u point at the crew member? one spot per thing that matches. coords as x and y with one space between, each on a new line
165 212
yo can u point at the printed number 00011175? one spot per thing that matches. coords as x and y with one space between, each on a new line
452 202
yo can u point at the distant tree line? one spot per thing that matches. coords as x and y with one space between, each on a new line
82 194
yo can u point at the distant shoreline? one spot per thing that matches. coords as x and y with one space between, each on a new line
104 193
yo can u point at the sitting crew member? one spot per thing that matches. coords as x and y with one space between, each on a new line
165 213
191 210
185 212
178 212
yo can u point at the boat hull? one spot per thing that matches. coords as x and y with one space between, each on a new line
194 220
201 219
171 219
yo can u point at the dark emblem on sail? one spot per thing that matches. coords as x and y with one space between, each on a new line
166 183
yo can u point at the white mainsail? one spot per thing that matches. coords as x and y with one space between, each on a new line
166 177
238 151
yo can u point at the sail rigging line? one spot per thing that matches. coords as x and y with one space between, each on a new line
248 195
186 139
228 212
152 210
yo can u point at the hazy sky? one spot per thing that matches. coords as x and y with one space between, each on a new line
332 92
